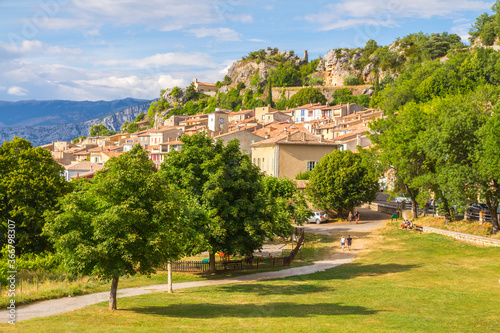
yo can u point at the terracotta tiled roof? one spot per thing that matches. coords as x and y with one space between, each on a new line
84 165
349 135
274 129
298 137
112 154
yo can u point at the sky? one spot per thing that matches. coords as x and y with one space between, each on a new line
111 49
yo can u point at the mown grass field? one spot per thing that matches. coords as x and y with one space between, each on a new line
318 247
409 282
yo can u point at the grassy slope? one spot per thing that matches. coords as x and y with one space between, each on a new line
410 282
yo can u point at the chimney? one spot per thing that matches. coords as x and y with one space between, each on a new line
303 136
288 137
322 138
358 140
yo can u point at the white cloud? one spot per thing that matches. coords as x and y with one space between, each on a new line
93 32
164 60
221 34
57 81
18 91
350 13
164 15
29 47
256 40
242 18
461 27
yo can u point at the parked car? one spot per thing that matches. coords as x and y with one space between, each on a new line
318 217
401 198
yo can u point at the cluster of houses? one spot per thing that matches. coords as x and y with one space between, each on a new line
281 143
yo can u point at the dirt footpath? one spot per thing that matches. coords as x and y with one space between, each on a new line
361 234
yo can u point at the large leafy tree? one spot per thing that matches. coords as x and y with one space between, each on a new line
100 130
30 182
306 96
285 202
488 165
341 181
397 140
125 221
229 188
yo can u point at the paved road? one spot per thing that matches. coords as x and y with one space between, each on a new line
369 221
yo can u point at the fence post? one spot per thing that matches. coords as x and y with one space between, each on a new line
169 266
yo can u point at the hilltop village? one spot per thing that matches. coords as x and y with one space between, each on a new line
281 143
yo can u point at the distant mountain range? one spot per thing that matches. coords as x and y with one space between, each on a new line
41 122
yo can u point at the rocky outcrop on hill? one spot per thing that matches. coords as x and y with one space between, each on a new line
338 64
40 135
243 70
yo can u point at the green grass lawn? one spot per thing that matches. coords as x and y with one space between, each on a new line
317 247
410 282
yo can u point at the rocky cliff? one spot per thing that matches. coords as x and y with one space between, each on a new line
40 135
261 62
338 64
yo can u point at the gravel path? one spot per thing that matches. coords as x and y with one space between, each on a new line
369 221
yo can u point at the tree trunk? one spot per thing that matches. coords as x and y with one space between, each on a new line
212 261
414 210
169 265
112 294
492 207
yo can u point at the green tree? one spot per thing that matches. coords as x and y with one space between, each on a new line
99 130
487 165
77 140
191 93
140 117
351 80
229 188
341 181
306 96
400 149
287 202
123 222
269 94
30 183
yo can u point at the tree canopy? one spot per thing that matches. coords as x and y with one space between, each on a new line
306 96
31 182
126 220
341 181
229 188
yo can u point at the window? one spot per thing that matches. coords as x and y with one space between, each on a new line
311 165
302 113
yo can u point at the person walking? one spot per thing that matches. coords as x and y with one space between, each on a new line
349 242
342 242
356 216
349 217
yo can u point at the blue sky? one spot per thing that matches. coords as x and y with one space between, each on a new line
110 49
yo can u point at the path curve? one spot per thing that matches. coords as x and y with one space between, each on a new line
373 221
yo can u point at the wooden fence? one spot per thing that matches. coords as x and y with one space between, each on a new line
236 265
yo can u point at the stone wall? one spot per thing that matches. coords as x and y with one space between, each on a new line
478 240
380 208
485 241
